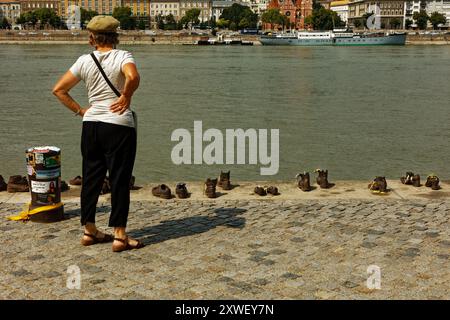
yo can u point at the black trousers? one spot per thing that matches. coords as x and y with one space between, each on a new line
111 147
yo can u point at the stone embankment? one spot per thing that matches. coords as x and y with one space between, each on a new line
176 38
126 37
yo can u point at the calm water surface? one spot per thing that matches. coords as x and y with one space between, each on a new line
358 111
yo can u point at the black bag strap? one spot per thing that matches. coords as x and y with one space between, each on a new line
104 75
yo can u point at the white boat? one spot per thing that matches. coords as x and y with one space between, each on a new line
333 38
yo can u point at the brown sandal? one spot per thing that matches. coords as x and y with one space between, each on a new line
94 240
126 246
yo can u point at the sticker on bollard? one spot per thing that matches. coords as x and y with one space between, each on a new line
44 174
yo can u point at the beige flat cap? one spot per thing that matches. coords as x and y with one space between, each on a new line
103 24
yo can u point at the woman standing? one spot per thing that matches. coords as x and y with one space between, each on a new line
108 139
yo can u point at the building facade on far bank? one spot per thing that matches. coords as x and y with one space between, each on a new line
205 7
104 7
441 6
341 8
140 9
163 8
295 10
10 9
257 6
390 12
31 5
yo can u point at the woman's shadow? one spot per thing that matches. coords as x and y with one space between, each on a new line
184 227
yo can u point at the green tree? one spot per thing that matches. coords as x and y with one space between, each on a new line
86 16
244 23
324 19
212 23
124 15
222 23
141 25
4 23
170 22
436 19
44 16
272 17
160 24
191 17
408 23
357 23
236 13
395 23
47 18
421 19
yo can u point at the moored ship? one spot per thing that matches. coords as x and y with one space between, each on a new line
334 38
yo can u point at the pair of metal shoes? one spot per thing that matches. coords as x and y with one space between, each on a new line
378 185
210 188
432 182
304 182
15 184
263 191
414 179
411 179
164 192
223 182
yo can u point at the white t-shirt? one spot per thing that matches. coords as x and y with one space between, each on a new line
100 94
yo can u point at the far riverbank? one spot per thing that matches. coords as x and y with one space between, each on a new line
163 38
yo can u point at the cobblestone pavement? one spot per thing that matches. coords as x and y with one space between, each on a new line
296 249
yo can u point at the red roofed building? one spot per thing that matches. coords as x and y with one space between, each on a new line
295 10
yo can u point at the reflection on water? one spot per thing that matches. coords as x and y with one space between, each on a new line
359 112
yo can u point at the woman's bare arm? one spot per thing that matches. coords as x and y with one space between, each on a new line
61 91
132 79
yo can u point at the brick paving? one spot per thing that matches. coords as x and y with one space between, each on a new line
237 249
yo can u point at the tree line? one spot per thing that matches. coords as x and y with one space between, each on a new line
235 17
421 18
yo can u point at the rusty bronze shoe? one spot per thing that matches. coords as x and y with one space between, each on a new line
408 178
303 181
433 182
272 190
181 190
210 188
77 181
3 185
322 179
64 186
378 185
17 184
162 191
224 180
260 191
416 180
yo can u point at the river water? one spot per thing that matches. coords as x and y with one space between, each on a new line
358 111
